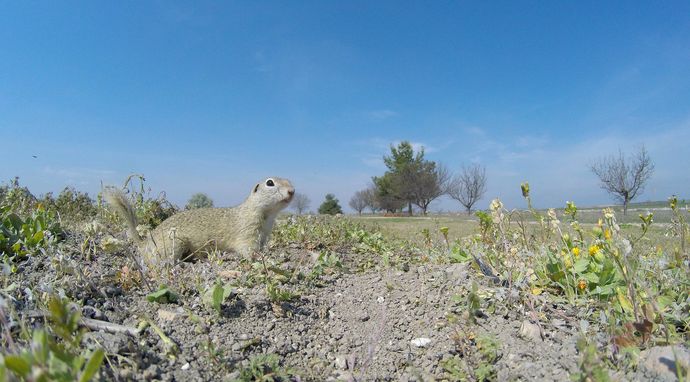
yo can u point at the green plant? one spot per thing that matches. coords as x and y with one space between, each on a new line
591 368
327 263
150 211
458 254
73 207
18 199
55 354
278 295
265 368
680 229
215 295
163 295
21 237
455 368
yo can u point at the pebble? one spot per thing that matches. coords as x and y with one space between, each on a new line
185 366
421 342
661 362
530 331
340 362
170 315
151 372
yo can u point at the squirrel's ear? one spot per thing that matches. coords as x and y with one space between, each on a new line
256 188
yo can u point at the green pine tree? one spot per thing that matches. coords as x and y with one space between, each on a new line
330 206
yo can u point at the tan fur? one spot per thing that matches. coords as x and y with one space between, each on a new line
244 229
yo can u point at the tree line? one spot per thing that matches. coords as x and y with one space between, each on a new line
412 180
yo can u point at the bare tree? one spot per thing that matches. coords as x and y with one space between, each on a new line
371 199
624 179
300 203
426 182
469 186
358 202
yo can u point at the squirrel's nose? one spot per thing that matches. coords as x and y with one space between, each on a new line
291 191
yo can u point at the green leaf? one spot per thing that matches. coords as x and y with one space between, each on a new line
664 301
38 236
217 297
18 365
228 290
92 365
162 296
591 278
581 265
281 272
605 290
624 301
15 222
39 346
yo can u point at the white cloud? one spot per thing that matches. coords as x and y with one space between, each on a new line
475 130
381 114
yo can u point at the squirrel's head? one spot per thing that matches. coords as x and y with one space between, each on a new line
273 194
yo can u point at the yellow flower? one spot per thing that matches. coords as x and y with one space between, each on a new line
607 234
593 250
576 251
582 284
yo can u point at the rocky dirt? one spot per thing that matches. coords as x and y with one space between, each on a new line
377 324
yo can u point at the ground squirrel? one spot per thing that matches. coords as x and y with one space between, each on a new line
243 229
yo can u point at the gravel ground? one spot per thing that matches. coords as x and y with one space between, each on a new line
380 324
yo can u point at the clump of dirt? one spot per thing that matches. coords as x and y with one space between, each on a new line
429 321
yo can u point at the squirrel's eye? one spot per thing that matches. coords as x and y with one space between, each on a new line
270 183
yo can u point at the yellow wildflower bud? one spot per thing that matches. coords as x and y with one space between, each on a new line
593 250
582 284
576 251
568 263
607 234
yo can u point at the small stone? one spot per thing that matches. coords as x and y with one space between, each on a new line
186 366
661 362
364 317
340 362
170 315
530 331
151 372
113 291
380 299
421 342
112 343
230 274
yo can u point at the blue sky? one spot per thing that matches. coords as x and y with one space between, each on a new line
214 96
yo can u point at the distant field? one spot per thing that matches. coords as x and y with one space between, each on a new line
459 226
411 227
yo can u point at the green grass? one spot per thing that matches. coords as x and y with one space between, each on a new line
411 227
459 227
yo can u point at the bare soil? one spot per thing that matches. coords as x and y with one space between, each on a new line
377 324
